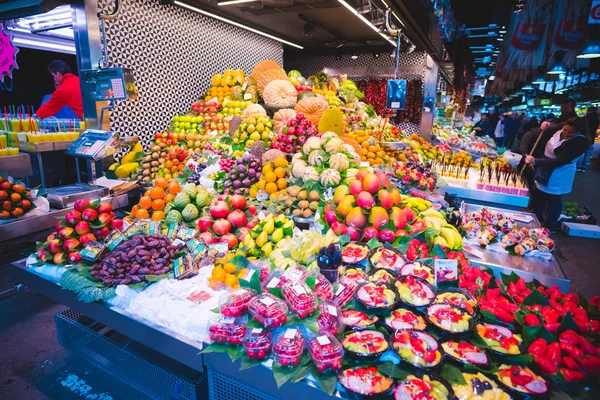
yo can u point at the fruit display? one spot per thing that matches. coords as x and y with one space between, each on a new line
227 330
291 137
155 200
355 254
499 338
300 299
252 129
87 222
280 277
423 387
235 304
459 299
272 179
329 318
417 175
377 295
128 163
387 258
301 249
402 318
257 343
325 160
344 292
419 270
323 288
268 310
449 318
521 380
365 345
354 274
479 386
288 346
464 352
239 176
414 291
366 381
230 86
381 276
15 198
134 260
370 149
417 348
298 202
358 320
234 107
265 235
326 352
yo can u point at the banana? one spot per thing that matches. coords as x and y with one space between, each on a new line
430 212
448 235
441 241
433 222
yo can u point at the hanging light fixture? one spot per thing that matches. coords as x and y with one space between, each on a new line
527 87
539 78
354 56
558 67
378 17
364 7
591 49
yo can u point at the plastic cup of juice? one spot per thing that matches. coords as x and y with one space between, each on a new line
3 141
3 152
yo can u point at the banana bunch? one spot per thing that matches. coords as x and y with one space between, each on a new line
449 235
301 249
416 203
261 240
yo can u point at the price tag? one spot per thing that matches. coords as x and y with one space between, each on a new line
273 283
293 274
247 96
257 331
299 289
244 86
249 274
472 250
239 292
261 215
340 289
228 320
332 310
445 270
395 104
328 194
364 164
34 192
290 333
520 217
323 340
267 301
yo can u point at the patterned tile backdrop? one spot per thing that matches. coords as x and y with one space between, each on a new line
311 65
173 53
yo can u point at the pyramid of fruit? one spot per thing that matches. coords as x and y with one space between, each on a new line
294 134
325 160
187 205
263 237
273 178
87 222
301 249
155 200
237 174
15 199
253 128
232 85
296 201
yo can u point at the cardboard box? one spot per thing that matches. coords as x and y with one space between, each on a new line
583 230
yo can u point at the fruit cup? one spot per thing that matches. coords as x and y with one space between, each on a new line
257 343
326 352
300 299
288 346
268 310
227 330
235 304
344 292
329 319
323 288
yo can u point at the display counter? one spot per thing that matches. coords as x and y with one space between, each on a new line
548 272
466 189
18 166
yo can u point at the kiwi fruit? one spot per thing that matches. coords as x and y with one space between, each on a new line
313 205
303 204
307 213
302 195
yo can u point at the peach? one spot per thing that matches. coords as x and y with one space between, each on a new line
356 187
378 217
398 218
365 200
340 192
396 197
356 218
372 183
409 213
385 199
360 175
346 205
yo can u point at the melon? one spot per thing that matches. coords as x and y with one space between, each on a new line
310 174
315 158
334 145
254 109
280 94
339 162
330 177
282 117
312 108
312 143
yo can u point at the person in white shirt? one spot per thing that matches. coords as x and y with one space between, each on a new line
499 131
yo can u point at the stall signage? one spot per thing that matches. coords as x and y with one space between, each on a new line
594 17
528 35
8 54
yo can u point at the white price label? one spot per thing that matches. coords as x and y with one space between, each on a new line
395 104
249 274
257 331
299 289
228 320
323 340
273 283
445 270
472 250
239 292
332 310
267 301
261 215
364 164
244 86
340 289
290 333
247 96
293 274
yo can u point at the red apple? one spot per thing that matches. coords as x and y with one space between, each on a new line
70 245
208 238
89 214
237 201
101 233
417 226
221 227
81 204
117 223
237 218
58 258
230 239
66 232
369 233
74 257
54 246
42 254
386 236
338 227
82 228
204 223
252 209
353 232
104 208
409 213
330 215
85 239
58 226
104 218
73 217
219 209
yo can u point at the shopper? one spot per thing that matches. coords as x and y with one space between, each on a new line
592 121
532 123
555 170
511 126
499 131
567 111
68 92
494 118
483 127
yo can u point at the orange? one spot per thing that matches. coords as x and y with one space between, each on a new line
134 209
18 188
15 197
279 172
280 162
372 149
158 215
253 191
281 183
142 213
169 164
158 204
365 144
169 198
218 274
271 187
18 211
145 202
157 193
174 187
168 176
229 268
270 177
161 183
261 184
147 192
231 280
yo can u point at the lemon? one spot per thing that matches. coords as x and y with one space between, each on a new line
260 127
255 136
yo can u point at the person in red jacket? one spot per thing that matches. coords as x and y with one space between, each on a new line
68 92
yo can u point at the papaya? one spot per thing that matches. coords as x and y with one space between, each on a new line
126 169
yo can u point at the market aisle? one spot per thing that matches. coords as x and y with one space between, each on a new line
35 366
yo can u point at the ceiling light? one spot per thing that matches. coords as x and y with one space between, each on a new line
366 21
378 17
491 78
557 68
230 2
539 80
364 7
208 14
502 31
375 55
500 39
591 49
43 45
354 56
527 87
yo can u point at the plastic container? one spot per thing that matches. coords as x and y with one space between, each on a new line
377 296
464 353
387 258
344 292
417 348
288 346
227 330
235 304
268 310
326 352
357 320
257 343
459 298
366 344
415 292
403 318
380 275
300 299
279 278
419 270
449 318
355 274
323 288
507 376
356 255
423 386
500 339
329 318
362 382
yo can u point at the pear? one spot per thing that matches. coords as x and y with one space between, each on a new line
262 239
269 226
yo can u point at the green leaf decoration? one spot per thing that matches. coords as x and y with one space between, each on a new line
438 251
567 323
282 374
216 310
276 292
215 348
327 381
301 373
344 240
535 298
396 371
374 243
156 278
248 363
311 282
235 352
522 359
506 279
254 282
489 317
311 323
452 374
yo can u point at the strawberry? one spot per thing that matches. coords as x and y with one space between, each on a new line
570 363
569 336
552 327
586 346
538 347
590 364
553 353
570 375
547 366
550 316
571 350
521 286
532 320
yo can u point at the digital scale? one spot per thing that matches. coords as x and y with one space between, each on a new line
109 84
